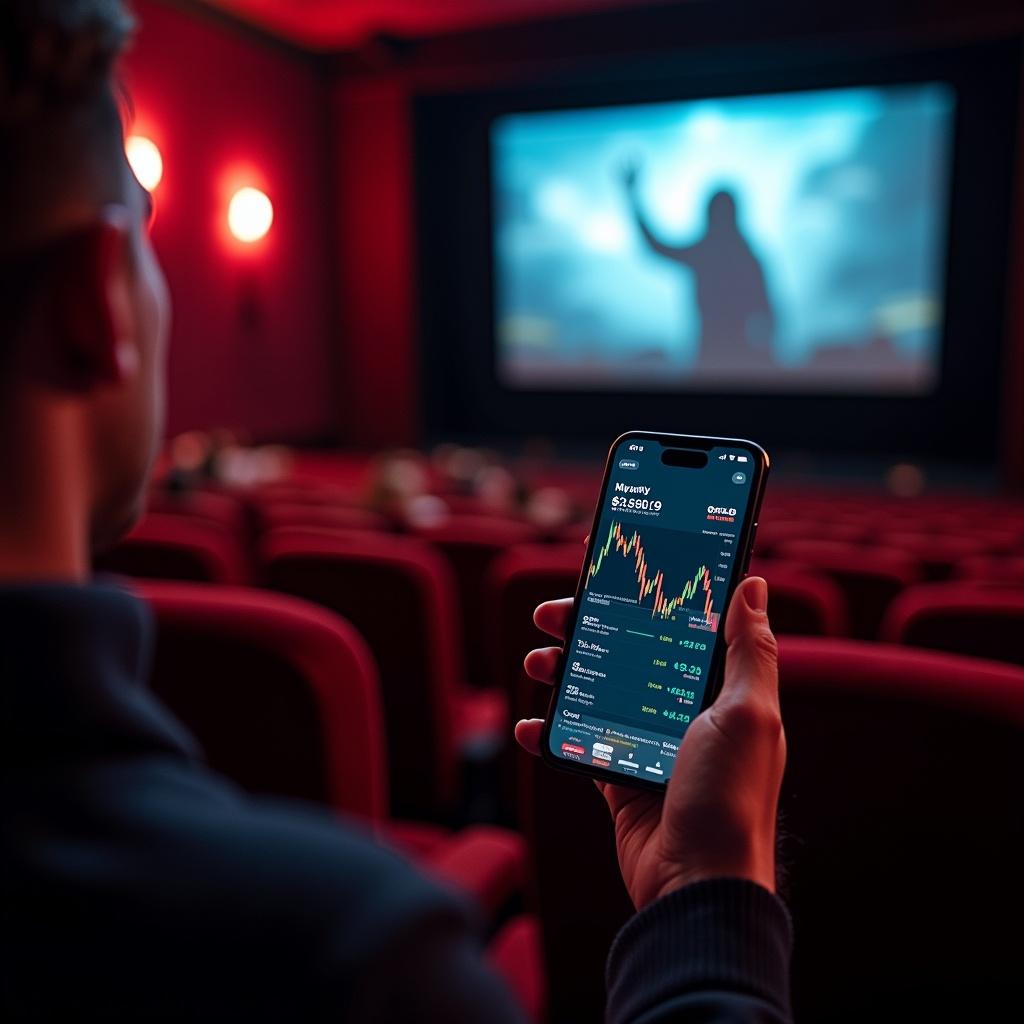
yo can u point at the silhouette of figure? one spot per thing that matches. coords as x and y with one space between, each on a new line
737 321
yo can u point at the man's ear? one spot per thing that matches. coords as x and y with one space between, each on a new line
93 310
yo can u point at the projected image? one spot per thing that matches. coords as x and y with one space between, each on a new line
790 242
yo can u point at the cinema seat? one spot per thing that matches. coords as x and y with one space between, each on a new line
772 533
575 890
298 492
996 541
902 835
175 547
471 544
212 506
993 570
516 955
902 831
284 698
802 601
936 554
276 514
522 578
981 621
400 595
869 577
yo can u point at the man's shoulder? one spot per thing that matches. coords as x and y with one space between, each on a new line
140 884
262 891
291 851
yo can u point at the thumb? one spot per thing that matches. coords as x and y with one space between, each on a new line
751 661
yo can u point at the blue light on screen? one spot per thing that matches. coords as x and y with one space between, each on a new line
787 242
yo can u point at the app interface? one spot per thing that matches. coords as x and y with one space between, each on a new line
664 555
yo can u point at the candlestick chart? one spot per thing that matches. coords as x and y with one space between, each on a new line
669 572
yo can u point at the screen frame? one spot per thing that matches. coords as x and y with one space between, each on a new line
462 397
744 549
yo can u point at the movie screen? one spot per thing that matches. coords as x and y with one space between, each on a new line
792 242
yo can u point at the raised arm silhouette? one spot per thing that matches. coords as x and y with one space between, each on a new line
737 320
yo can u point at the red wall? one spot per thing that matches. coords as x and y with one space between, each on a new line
374 178
252 338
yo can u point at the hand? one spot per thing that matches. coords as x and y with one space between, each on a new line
717 817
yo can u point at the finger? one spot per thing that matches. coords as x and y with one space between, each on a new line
542 664
751 661
553 617
528 733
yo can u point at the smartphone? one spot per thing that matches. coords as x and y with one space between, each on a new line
672 536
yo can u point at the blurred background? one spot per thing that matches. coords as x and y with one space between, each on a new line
457 253
429 258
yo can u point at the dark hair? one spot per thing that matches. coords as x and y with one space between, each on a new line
60 129
57 52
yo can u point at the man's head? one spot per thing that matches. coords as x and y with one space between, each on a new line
83 304
722 211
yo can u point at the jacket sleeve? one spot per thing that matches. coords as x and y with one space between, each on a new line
710 953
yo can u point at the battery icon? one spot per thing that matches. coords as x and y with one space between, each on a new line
741 458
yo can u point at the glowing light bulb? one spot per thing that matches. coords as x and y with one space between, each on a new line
250 214
145 160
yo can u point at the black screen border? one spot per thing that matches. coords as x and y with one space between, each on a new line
464 398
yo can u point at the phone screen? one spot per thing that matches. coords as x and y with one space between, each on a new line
663 558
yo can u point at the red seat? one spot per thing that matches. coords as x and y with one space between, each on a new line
576 890
772 533
801 600
902 835
903 831
995 540
276 514
296 492
519 580
984 622
474 506
400 595
995 570
175 547
213 506
937 554
284 699
515 954
869 577
471 544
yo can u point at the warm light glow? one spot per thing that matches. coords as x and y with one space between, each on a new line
250 214
146 162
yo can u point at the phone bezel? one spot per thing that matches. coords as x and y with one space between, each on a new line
744 550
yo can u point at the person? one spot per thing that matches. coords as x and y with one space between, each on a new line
737 320
137 885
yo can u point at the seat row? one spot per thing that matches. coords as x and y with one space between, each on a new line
448 703
901 784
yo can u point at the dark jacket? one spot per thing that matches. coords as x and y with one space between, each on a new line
137 885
